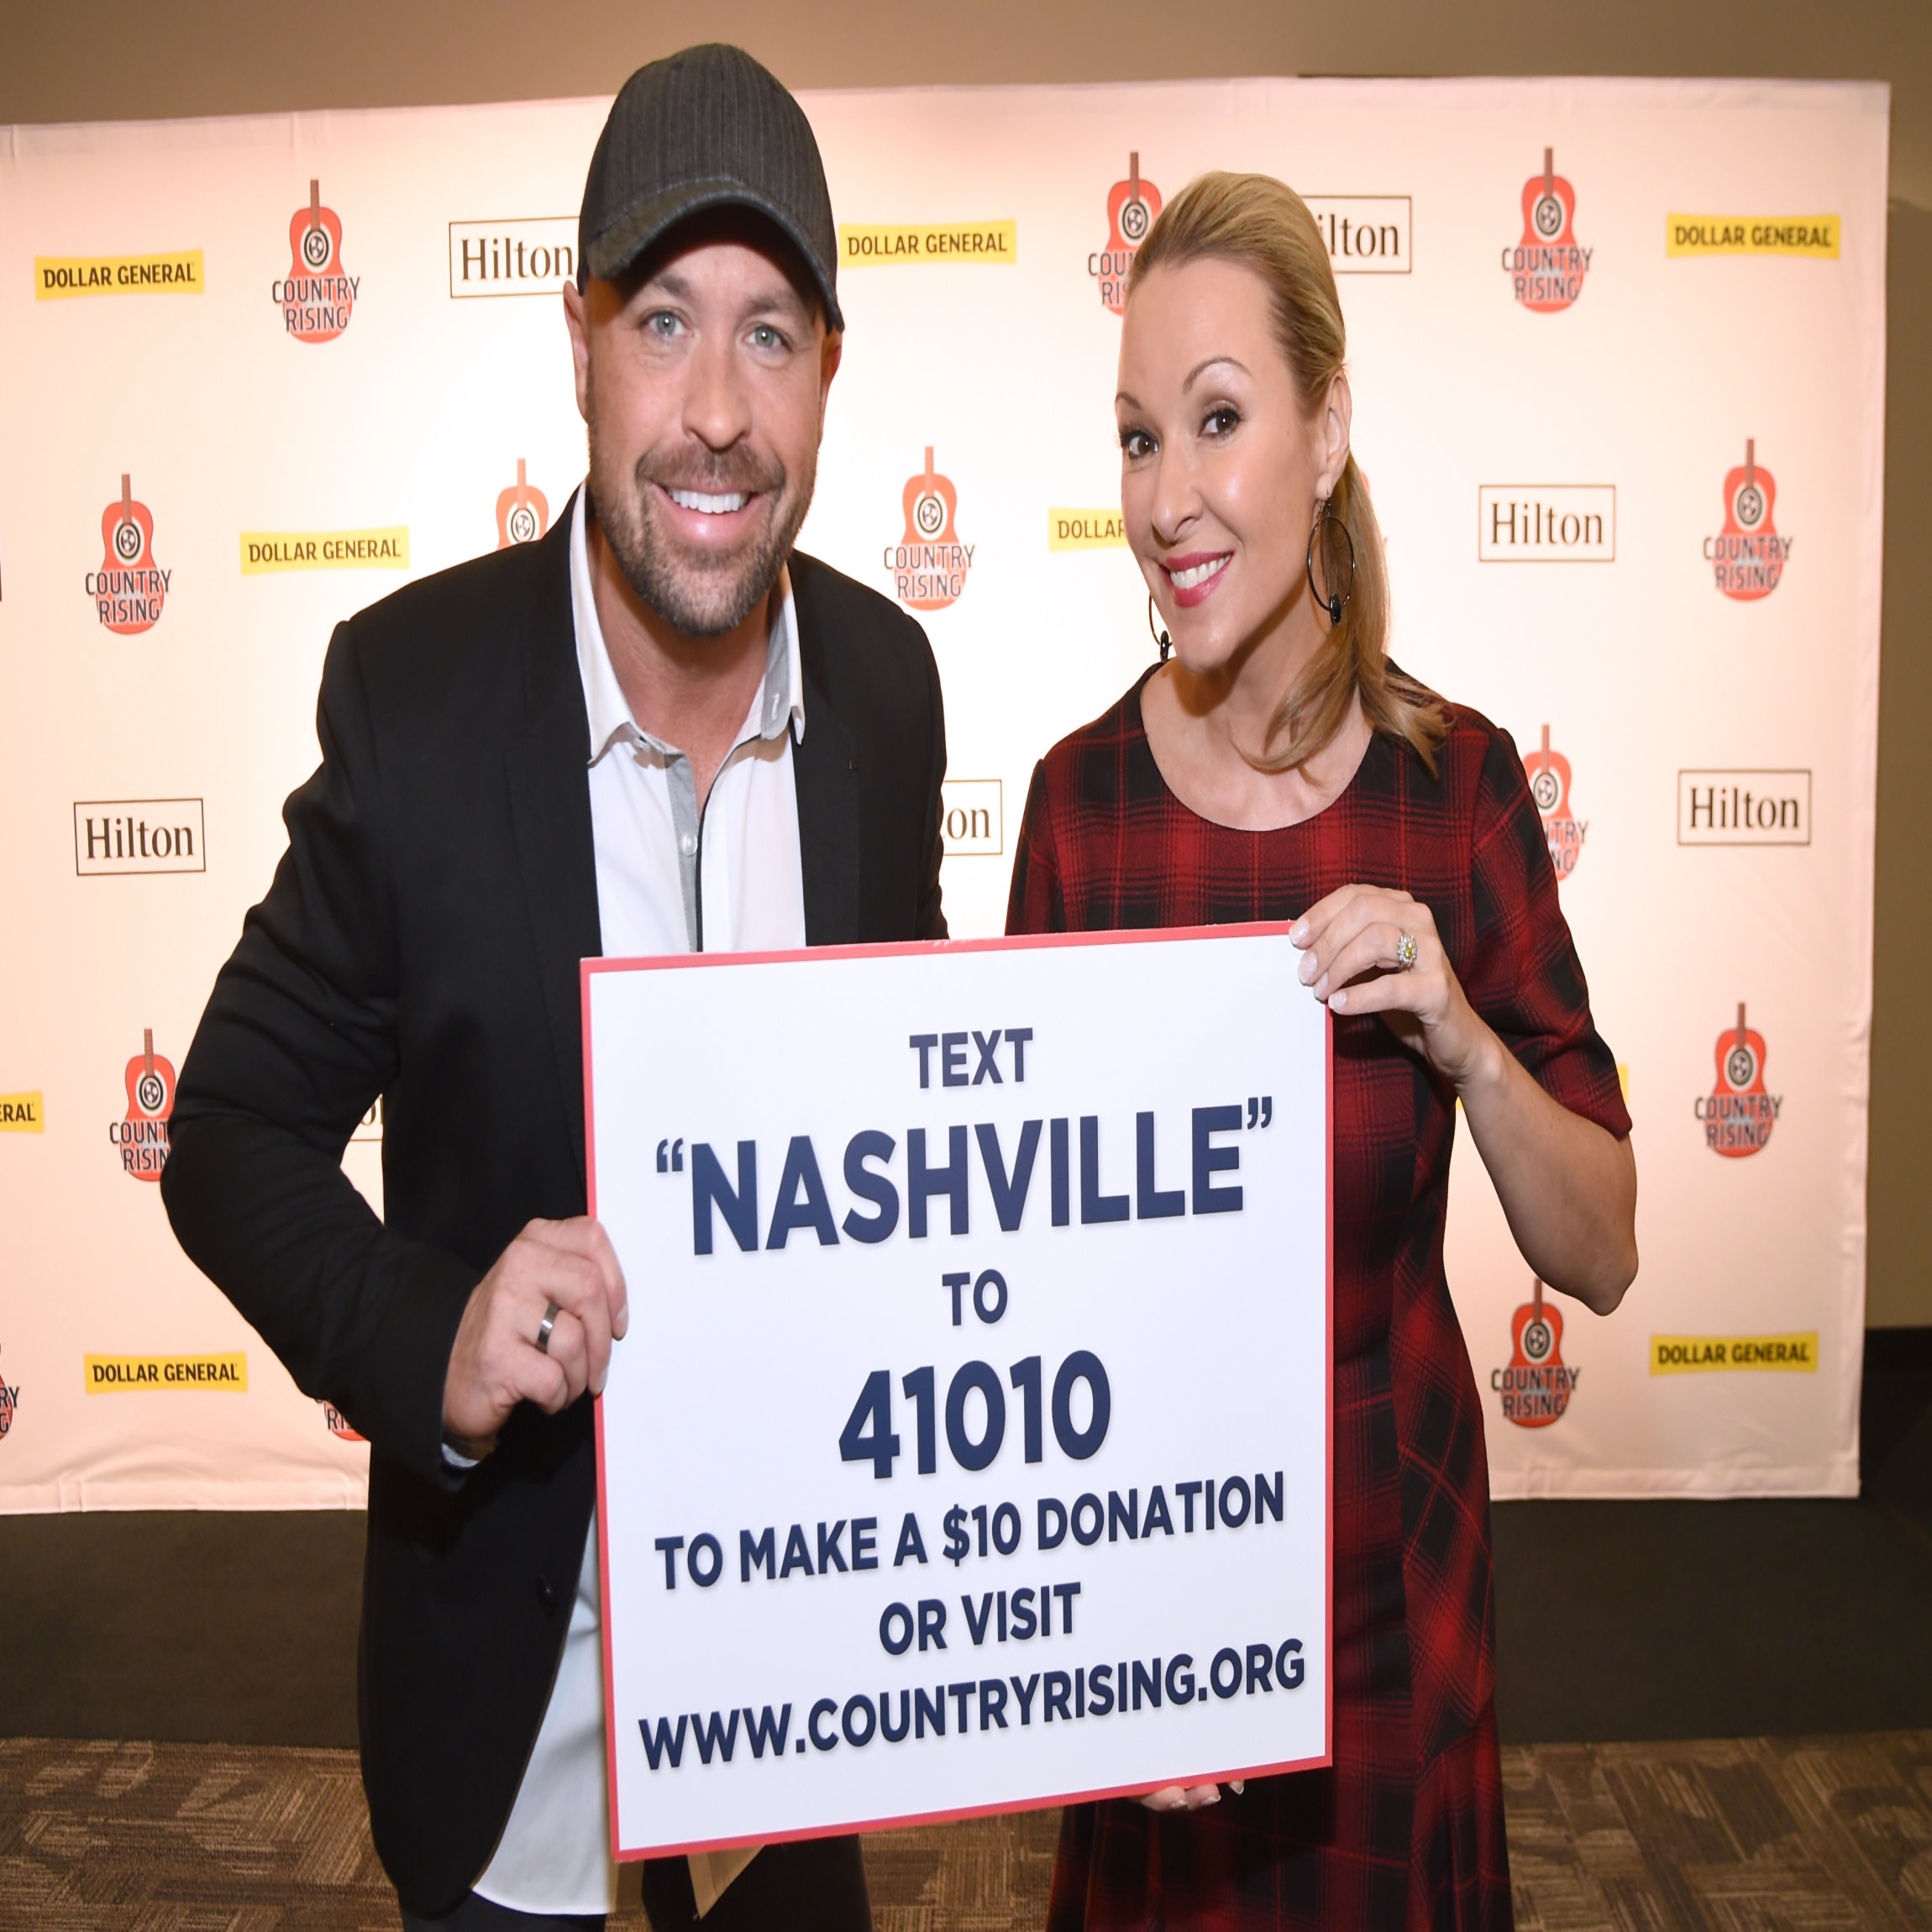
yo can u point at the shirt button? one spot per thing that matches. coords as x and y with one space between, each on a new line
546 1596
687 843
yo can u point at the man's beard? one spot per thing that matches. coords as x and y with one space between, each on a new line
705 595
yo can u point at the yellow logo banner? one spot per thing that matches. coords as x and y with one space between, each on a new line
1699 1354
266 550
57 277
121 1374
1086 530
992 243
1815 235
22 1114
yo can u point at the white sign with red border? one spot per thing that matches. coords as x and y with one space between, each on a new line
969 1450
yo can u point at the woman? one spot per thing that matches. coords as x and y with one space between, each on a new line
1278 766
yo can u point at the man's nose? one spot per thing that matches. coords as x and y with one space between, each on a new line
717 405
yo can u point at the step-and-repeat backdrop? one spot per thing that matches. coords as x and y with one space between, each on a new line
1619 352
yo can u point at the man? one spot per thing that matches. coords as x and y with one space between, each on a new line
659 728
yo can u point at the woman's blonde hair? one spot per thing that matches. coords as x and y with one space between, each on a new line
1265 226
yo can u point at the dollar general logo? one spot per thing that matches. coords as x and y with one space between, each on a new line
23 1114
1131 206
264 552
318 296
1748 556
1548 265
522 512
1086 530
905 244
127 1374
1812 235
130 588
1696 1354
1549 774
1738 1114
179 272
929 564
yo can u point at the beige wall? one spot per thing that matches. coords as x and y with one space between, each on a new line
118 59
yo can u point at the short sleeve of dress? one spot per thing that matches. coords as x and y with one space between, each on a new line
1523 974
1035 902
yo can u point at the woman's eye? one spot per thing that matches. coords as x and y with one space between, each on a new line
1136 444
1220 420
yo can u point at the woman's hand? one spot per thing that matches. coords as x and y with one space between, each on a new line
1188 1796
1350 958
1569 1187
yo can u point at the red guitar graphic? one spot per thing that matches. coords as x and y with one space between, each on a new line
931 564
319 296
128 604
1549 776
1548 264
9 1400
523 513
1740 1114
1749 554
1131 206
1536 1378
143 1136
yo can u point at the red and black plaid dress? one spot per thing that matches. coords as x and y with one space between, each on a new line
1405 1831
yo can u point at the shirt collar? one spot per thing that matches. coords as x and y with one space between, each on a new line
779 703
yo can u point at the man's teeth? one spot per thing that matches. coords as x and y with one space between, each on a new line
709 506
1186 580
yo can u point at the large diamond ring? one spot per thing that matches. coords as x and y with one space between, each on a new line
549 1322
1405 952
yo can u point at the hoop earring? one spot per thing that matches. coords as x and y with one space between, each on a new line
1161 638
1333 603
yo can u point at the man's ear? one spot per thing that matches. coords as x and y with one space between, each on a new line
829 358
576 320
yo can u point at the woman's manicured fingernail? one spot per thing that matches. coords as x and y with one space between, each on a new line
1339 1002
1321 986
1298 934
1307 967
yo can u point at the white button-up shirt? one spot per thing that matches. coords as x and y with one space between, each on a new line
672 877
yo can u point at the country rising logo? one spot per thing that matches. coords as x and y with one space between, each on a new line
929 566
1549 776
1537 1387
522 512
317 297
1738 1114
1131 206
130 588
337 1424
142 1135
9 1406
1748 556
1547 267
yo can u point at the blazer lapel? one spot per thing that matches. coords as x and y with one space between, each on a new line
825 765
548 774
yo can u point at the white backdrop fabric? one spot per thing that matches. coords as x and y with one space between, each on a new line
1620 405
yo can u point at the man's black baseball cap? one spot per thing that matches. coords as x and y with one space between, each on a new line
708 128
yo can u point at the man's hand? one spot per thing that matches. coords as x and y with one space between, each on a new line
496 1363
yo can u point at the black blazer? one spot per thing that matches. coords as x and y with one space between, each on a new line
420 942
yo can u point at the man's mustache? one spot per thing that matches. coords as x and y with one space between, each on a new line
713 473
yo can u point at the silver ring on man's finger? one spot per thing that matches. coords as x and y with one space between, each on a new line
1405 952
546 1325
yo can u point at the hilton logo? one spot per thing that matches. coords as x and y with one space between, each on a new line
1367 235
1744 808
116 835
1546 524
971 819
528 255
